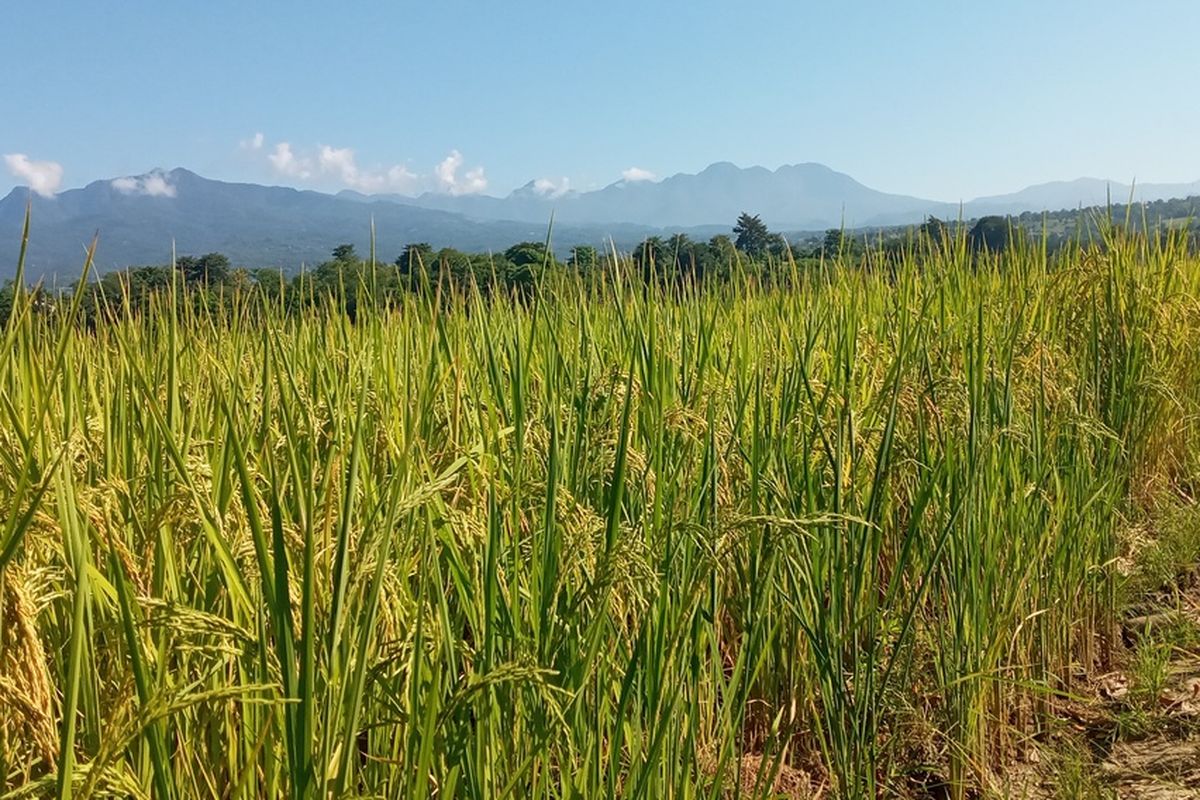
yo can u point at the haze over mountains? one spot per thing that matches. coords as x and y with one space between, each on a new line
793 197
796 197
139 217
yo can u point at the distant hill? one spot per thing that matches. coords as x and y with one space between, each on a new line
793 197
798 197
254 225
139 217
1082 192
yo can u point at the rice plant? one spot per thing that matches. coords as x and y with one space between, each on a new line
608 539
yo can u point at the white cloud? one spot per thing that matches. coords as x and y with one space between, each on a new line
43 177
255 142
286 163
339 161
548 187
402 179
635 174
339 166
474 182
154 184
157 185
448 181
446 170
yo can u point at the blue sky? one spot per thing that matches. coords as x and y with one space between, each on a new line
946 100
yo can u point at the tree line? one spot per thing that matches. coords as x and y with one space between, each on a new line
750 248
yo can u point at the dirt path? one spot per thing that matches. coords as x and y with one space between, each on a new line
1138 737
1164 761
1164 765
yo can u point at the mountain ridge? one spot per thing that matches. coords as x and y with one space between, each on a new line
839 199
139 217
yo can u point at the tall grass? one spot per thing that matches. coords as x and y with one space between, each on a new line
603 541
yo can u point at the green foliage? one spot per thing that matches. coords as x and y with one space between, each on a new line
648 254
1076 776
935 232
991 233
414 257
526 254
722 249
1163 566
753 238
356 535
836 243
7 295
685 257
584 257
210 268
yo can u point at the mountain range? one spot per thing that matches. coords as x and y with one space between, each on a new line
796 197
139 217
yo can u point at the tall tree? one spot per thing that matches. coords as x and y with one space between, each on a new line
722 247
524 254
649 251
416 256
209 268
934 231
584 257
752 235
777 245
681 251
835 242
990 233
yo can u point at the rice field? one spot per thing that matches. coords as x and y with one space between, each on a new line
607 540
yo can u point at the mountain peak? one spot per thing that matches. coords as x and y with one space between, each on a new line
720 166
525 190
155 183
807 166
140 215
184 173
19 194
